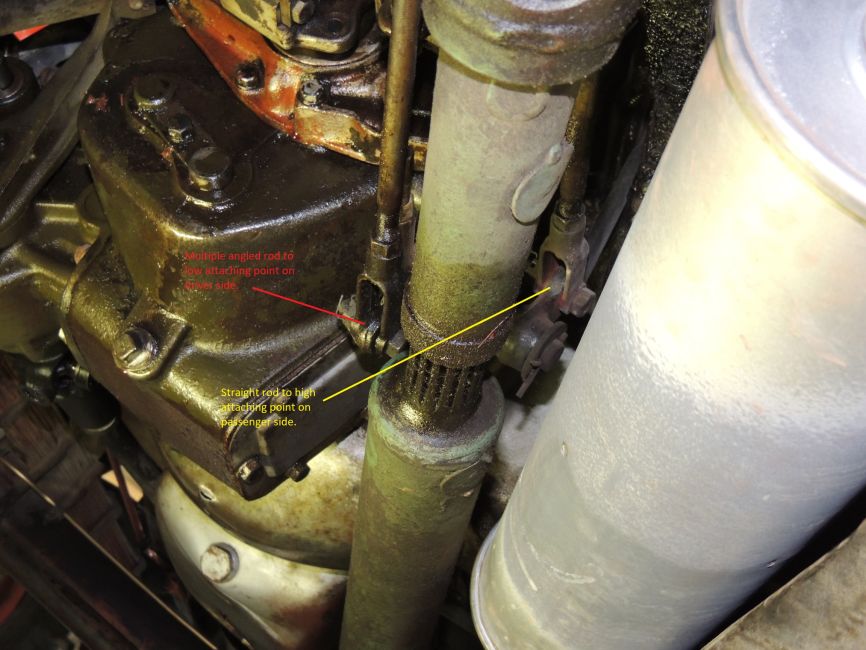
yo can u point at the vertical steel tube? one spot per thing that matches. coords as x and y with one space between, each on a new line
418 489
573 185
380 285
406 23
495 157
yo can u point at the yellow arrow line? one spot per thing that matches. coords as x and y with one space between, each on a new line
430 347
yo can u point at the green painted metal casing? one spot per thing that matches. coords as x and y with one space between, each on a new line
418 490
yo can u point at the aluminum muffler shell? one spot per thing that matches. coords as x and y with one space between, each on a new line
714 415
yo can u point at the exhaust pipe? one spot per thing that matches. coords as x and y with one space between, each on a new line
713 416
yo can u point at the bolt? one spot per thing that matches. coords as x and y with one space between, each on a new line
310 91
298 472
249 75
151 92
219 563
302 11
180 128
250 470
135 349
210 168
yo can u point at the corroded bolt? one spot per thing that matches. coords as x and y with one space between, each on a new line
219 563
249 76
310 91
152 92
135 348
250 470
299 471
180 128
302 11
210 168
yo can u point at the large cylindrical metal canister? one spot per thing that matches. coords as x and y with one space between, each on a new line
713 417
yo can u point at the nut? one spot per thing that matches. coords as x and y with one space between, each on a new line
249 75
250 470
299 471
310 91
219 563
135 349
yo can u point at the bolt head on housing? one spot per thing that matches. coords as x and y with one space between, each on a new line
135 349
249 76
210 168
310 92
250 470
219 563
152 92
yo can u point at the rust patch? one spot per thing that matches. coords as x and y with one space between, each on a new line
229 43
100 102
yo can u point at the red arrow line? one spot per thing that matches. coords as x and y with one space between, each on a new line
303 304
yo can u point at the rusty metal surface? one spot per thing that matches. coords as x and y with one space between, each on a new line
418 489
536 341
333 103
480 208
379 289
309 522
273 603
530 42
572 187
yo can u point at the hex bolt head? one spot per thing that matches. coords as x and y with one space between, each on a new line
219 563
250 470
249 76
180 128
310 91
210 168
152 92
302 11
299 471
135 349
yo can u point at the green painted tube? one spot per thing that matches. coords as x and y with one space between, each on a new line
418 489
